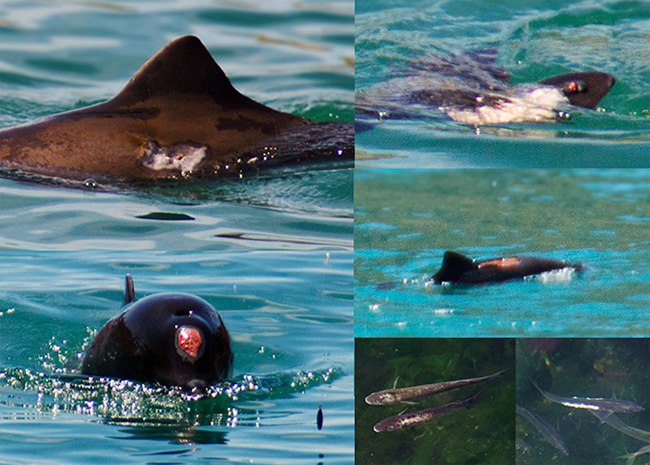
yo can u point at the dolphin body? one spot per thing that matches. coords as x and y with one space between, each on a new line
457 268
178 117
167 338
472 90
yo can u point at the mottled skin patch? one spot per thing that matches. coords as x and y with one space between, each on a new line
501 263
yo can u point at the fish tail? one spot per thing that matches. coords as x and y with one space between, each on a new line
536 386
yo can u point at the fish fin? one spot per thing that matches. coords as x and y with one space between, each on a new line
542 392
582 89
408 402
453 266
497 374
395 383
129 290
602 416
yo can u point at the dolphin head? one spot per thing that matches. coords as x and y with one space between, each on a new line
582 89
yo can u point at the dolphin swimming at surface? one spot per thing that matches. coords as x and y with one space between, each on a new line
472 90
459 269
167 338
178 117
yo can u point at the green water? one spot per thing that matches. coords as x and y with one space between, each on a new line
482 433
583 368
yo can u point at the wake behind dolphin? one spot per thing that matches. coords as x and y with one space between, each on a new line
178 117
472 90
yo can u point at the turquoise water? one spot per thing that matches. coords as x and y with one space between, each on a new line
534 40
406 219
280 277
273 253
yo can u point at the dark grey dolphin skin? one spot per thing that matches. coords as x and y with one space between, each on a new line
582 89
171 339
178 117
472 90
457 268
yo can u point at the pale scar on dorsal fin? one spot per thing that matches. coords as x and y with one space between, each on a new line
183 67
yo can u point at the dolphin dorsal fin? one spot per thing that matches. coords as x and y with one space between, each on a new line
457 261
184 66
129 290
454 265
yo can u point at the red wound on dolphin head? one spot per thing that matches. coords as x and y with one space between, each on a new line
189 343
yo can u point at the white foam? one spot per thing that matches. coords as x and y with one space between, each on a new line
526 104
563 275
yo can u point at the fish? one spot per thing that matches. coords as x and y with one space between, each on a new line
546 430
396 395
632 456
616 423
471 89
179 117
403 420
595 404
457 268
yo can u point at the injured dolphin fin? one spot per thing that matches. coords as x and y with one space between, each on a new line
582 89
453 266
178 117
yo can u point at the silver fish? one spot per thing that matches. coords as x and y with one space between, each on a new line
616 423
631 457
598 404
396 395
413 418
546 430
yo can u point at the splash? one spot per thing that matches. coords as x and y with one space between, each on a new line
123 402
